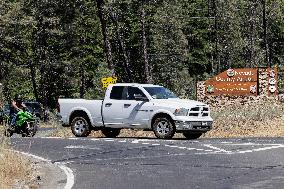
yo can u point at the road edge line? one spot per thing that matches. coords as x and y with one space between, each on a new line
68 172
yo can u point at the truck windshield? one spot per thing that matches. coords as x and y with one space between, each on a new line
160 92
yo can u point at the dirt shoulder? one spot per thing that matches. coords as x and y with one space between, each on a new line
49 176
16 171
23 172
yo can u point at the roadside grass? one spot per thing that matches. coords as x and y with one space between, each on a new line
15 170
259 119
66 132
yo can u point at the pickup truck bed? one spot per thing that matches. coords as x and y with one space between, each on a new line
92 108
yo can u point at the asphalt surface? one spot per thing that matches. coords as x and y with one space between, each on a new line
127 163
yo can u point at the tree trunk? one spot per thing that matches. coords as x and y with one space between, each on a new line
82 81
217 54
267 58
147 66
33 78
252 36
105 31
122 46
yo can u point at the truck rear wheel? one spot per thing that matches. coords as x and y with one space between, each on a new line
80 127
192 136
164 128
111 132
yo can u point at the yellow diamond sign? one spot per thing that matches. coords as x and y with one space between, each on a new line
108 80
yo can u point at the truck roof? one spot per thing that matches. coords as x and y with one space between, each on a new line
136 85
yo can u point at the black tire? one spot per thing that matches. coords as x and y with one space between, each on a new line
192 136
164 128
80 127
31 131
8 133
111 132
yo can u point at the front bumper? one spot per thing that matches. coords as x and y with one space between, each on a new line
199 126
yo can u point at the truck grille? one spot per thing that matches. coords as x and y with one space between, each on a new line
194 114
195 109
199 112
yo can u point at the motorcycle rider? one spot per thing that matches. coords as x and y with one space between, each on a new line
16 106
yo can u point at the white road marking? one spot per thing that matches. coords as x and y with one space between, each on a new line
226 142
73 138
68 172
81 147
259 149
52 137
243 144
156 144
225 152
135 141
143 140
216 148
199 149
173 146
191 148
95 139
142 157
109 140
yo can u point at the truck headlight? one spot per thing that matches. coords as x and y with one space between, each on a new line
181 112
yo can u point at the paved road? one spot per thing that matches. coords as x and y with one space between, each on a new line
127 163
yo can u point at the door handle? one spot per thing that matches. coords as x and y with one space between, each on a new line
108 104
127 105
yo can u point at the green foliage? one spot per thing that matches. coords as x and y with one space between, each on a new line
56 48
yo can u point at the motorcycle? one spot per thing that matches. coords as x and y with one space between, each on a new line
26 124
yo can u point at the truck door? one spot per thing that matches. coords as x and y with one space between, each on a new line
136 112
112 109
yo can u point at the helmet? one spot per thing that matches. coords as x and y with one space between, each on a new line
18 97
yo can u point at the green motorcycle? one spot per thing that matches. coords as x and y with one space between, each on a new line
26 124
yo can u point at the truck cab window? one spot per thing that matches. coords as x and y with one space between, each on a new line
133 91
116 92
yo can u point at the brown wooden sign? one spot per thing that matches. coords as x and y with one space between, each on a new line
237 75
235 82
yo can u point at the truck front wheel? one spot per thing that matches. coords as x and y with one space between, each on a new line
80 127
163 128
111 132
192 136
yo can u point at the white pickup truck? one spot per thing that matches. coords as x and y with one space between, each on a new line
136 106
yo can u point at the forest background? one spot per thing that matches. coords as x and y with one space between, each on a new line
62 48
